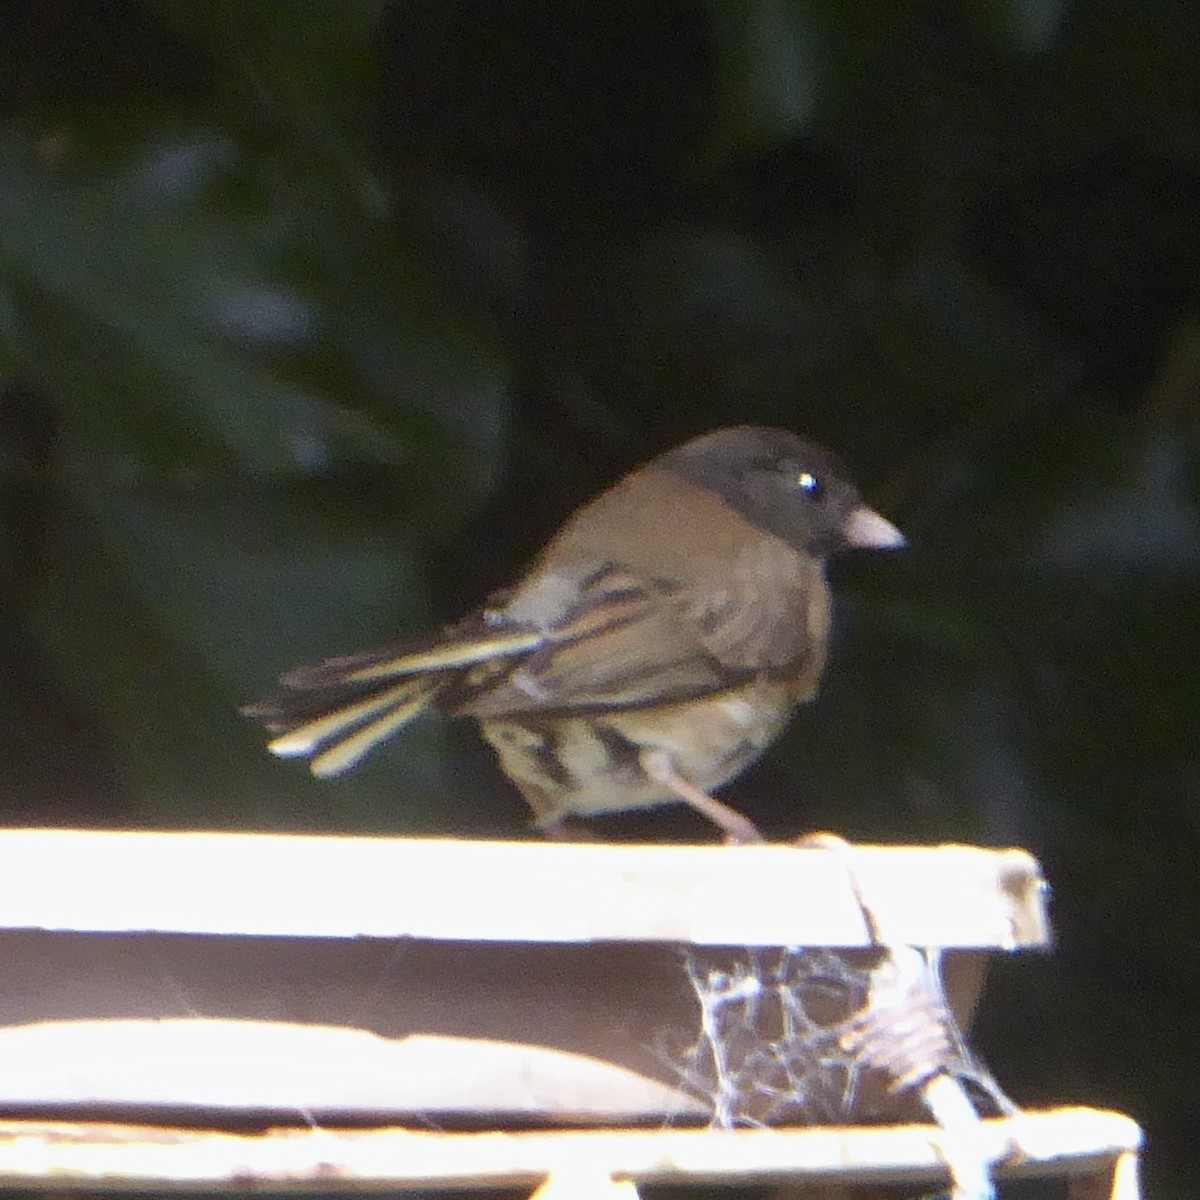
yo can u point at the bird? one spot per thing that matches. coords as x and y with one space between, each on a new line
654 648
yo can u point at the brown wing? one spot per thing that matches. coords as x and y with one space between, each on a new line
706 599
769 612
634 643
613 641
623 642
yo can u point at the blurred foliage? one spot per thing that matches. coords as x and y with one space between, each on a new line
316 317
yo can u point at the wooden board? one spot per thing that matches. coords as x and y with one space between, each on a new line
357 950
1077 1142
344 887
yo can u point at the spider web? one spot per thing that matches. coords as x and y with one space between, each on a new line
806 1036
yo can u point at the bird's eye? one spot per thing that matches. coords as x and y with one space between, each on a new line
810 485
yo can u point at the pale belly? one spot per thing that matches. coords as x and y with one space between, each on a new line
590 763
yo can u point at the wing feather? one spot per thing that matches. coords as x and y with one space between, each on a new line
611 638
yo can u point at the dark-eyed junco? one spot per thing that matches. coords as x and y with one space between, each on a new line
654 648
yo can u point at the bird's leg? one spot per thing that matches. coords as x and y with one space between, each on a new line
738 829
559 829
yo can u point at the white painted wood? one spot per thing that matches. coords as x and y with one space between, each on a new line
345 887
1059 1142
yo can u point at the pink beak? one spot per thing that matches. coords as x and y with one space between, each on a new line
866 529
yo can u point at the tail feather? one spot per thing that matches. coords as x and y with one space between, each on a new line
345 752
455 651
306 736
339 728
334 712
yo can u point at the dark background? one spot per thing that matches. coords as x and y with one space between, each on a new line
316 317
